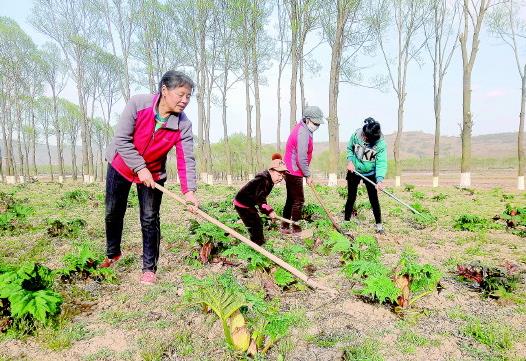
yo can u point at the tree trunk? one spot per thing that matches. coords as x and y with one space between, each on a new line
33 142
467 125
520 136
248 107
3 158
26 144
58 135
468 62
208 156
84 133
2 176
302 85
398 139
74 169
101 162
278 131
127 92
437 94
209 88
8 154
225 126
334 86
255 75
10 149
10 146
19 139
436 148
201 112
49 154
293 62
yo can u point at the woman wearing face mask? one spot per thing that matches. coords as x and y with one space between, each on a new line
255 193
367 155
298 155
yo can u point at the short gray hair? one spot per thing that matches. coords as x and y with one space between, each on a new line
174 79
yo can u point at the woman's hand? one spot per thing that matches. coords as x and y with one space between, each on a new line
146 178
191 201
272 215
350 167
379 186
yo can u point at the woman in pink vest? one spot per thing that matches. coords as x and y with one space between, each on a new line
149 127
298 154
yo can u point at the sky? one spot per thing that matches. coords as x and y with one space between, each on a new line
495 93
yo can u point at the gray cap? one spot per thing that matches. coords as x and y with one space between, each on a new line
314 114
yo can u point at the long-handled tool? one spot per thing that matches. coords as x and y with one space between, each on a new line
334 223
309 281
388 193
288 220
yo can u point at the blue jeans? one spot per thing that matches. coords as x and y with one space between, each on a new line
117 190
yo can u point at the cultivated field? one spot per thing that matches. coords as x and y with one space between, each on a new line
110 316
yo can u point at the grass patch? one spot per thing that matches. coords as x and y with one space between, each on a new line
328 340
492 334
104 354
364 351
409 341
115 317
64 338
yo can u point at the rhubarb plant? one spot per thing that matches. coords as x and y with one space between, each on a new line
250 324
28 292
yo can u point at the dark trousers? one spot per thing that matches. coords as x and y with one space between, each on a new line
252 221
353 181
295 200
117 190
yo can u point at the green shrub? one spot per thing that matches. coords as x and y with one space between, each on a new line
409 187
84 263
73 198
13 213
63 228
418 195
471 222
439 197
28 289
311 212
255 259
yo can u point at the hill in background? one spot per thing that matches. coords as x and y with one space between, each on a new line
418 145
415 145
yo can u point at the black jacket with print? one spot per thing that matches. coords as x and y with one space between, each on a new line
255 192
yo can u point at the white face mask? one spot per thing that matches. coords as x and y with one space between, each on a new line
312 126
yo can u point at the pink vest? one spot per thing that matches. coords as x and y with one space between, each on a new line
297 145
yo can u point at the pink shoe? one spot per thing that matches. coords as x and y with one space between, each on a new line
285 230
108 262
148 278
288 231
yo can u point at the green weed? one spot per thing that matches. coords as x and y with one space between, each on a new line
364 351
492 334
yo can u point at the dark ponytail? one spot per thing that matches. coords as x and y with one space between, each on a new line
372 130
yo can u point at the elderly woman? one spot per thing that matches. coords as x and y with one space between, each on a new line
149 127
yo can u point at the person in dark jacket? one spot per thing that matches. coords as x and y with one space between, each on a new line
367 155
149 127
255 193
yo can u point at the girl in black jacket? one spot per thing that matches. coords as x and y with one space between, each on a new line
255 193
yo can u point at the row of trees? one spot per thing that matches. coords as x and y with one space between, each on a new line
106 47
